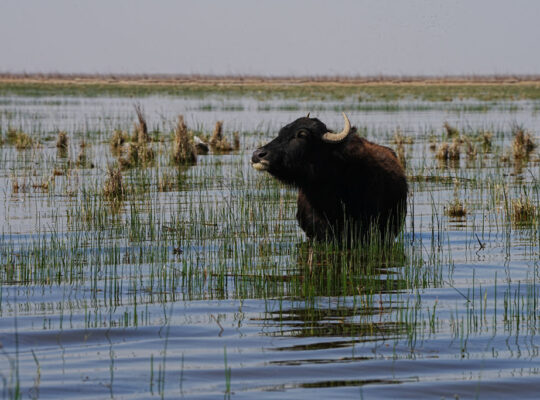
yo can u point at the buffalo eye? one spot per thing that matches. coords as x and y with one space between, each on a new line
302 134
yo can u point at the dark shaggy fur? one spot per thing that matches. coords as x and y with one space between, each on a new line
346 190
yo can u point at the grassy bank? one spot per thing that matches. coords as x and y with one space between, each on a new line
383 89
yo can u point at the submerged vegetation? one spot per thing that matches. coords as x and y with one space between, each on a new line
161 268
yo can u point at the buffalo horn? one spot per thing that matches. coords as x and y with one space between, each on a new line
307 116
338 137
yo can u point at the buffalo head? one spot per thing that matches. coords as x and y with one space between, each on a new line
300 150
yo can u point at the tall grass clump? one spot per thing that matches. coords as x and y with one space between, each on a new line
400 141
118 138
19 139
456 209
82 159
140 131
183 151
448 151
218 142
486 139
523 210
139 151
450 130
523 144
113 188
62 141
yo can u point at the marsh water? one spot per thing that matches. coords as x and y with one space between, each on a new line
199 283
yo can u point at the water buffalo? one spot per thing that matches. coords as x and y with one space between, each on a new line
348 187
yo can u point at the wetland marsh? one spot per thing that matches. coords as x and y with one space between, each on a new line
197 282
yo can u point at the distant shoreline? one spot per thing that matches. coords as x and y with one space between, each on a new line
362 89
234 80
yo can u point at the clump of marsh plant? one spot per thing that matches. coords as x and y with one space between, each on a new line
486 138
146 153
82 159
44 184
15 186
62 144
138 152
432 143
19 139
470 149
167 181
117 140
448 151
218 142
399 138
400 152
58 172
523 144
23 141
62 141
523 210
183 151
236 140
11 135
456 209
402 158
454 151
450 130
113 188
140 132
442 151
400 141
130 157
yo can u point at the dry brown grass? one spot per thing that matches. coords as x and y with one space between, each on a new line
183 151
442 151
450 130
62 141
15 186
523 210
399 138
82 159
487 137
137 153
218 142
118 139
470 148
23 141
140 131
523 144
236 141
58 172
19 139
449 151
456 209
113 188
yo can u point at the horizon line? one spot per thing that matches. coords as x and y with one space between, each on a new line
254 78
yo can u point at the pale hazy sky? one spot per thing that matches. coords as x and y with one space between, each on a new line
302 37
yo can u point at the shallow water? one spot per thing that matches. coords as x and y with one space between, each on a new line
97 302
